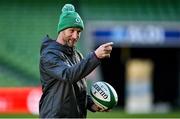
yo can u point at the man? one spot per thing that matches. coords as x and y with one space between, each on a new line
63 70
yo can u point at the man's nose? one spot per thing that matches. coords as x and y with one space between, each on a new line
75 35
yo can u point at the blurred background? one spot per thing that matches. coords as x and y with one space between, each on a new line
144 67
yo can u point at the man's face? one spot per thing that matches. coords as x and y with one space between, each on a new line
71 36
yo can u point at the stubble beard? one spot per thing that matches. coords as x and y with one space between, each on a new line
70 43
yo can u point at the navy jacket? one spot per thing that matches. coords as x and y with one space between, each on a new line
62 72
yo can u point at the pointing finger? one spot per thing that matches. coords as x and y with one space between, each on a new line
108 44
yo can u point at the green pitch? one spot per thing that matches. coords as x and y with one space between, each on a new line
118 113
115 113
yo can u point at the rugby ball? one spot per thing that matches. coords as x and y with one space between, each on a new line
103 95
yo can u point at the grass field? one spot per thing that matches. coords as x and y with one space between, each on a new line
115 113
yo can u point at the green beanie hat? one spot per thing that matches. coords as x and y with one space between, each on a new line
69 18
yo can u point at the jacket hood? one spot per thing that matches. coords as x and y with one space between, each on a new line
50 44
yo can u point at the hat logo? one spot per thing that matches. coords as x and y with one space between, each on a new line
77 20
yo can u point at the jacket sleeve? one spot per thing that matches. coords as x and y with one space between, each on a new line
55 66
90 103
